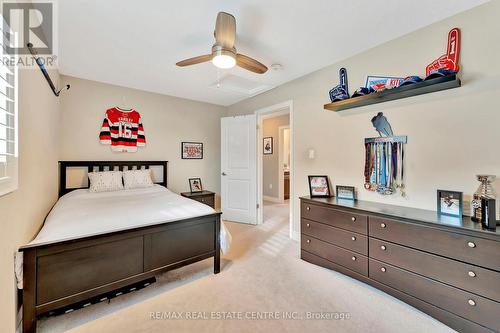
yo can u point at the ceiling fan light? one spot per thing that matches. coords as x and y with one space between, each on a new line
224 61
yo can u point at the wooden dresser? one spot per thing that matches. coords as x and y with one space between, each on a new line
206 197
444 266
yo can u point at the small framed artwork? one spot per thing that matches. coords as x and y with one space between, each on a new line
450 203
192 150
345 192
267 147
195 185
319 187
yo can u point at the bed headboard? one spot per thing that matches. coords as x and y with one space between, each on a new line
105 165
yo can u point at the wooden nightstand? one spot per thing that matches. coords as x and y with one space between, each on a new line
206 197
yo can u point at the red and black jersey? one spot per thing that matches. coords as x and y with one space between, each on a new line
122 130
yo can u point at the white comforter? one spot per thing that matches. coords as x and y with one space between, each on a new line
81 213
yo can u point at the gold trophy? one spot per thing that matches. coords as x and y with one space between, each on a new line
484 190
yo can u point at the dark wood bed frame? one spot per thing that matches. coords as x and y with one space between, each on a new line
64 273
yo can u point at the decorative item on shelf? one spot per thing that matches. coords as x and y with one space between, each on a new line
191 150
485 189
345 192
195 185
267 146
488 213
378 83
450 203
340 92
384 159
122 129
410 80
319 187
450 60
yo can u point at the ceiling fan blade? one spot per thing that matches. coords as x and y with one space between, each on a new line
250 64
195 60
225 30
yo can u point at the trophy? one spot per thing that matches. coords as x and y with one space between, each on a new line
485 190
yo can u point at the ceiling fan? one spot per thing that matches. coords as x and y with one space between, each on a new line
224 53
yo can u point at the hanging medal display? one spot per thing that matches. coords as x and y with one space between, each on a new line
384 159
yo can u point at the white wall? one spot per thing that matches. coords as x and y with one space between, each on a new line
270 163
167 121
22 212
452 135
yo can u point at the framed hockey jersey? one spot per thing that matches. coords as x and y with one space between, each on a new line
123 130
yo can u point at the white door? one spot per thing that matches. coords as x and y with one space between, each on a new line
239 169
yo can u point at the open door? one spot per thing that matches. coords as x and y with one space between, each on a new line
239 169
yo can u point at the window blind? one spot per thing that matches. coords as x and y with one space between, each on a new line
8 124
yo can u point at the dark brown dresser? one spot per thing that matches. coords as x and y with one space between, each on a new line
206 197
447 267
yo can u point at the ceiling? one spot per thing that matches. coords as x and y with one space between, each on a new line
137 43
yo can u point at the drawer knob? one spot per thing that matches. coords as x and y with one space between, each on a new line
353 258
472 302
353 219
471 274
383 269
308 225
471 244
308 208
308 241
382 225
353 238
383 248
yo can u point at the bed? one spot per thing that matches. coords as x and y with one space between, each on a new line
94 243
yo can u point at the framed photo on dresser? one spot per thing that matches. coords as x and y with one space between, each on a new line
319 187
450 203
195 185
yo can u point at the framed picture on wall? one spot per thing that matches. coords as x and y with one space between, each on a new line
267 147
192 150
450 203
195 185
319 187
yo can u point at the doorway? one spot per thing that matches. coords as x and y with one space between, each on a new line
275 163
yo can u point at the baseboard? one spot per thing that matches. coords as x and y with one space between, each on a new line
271 199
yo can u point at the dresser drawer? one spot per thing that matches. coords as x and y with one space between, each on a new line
343 238
207 200
474 250
471 278
337 218
475 308
352 260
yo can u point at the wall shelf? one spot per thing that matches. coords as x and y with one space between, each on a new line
424 87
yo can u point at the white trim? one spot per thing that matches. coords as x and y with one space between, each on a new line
271 199
272 111
295 236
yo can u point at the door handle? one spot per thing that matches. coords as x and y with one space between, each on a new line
224 174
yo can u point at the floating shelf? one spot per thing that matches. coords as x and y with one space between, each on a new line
419 88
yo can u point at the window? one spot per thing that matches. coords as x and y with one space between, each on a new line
8 124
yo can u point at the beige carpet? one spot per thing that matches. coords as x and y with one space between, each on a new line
261 276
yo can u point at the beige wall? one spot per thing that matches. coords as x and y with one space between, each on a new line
270 163
167 121
452 135
22 212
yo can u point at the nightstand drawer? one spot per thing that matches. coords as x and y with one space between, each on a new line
207 200
474 250
343 238
352 260
471 278
475 308
341 219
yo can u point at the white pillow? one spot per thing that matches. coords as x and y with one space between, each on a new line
105 181
137 178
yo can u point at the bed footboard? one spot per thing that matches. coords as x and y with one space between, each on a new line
61 274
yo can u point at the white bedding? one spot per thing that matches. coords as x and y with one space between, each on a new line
81 213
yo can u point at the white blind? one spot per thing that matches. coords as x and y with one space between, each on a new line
8 124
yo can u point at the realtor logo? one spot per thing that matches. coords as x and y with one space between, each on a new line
27 22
